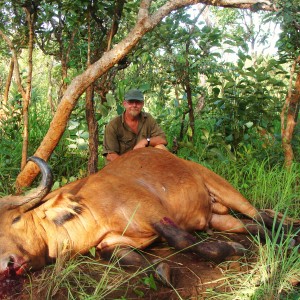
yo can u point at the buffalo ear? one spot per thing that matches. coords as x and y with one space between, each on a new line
62 208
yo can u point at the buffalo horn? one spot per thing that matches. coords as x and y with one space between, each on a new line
30 200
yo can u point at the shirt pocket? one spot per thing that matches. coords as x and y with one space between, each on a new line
126 143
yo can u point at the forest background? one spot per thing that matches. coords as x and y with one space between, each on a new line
222 82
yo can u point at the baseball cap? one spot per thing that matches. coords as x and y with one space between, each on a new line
134 94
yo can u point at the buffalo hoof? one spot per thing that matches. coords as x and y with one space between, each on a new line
238 248
163 274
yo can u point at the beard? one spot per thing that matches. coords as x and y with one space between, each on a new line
134 112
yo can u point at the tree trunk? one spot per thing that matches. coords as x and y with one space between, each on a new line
16 64
8 82
90 116
64 59
191 110
289 115
145 23
103 86
26 100
93 131
50 86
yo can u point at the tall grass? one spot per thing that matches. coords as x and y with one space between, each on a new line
263 185
270 274
79 278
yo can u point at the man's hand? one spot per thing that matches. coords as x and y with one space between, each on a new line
141 144
112 156
155 141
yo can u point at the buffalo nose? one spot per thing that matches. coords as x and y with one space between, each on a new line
8 265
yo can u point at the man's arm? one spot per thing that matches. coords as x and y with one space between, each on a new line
154 141
155 133
110 142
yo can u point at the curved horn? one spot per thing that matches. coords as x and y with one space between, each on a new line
30 200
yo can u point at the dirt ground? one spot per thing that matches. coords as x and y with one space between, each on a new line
191 277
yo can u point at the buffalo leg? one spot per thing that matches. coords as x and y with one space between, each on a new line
270 222
182 240
127 257
229 223
279 224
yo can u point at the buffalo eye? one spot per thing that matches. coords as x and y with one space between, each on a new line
16 219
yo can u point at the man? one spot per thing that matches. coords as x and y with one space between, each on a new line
132 130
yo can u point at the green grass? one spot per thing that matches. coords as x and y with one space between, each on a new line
79 278
88 277
268 274
263 185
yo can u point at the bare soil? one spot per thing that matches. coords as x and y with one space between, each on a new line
191 275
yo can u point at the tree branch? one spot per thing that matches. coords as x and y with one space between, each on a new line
243 4
16 63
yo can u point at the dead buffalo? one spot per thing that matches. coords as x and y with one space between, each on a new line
141 196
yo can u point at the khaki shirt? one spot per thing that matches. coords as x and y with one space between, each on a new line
119 138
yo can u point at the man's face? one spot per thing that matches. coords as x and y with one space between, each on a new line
133 107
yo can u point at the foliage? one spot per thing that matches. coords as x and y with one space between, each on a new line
246 95
288 14
10 153
242 98
3 73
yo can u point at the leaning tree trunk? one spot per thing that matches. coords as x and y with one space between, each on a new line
289 116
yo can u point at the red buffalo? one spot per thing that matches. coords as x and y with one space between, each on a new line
141 196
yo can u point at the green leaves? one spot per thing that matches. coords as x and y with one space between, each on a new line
78 137
245 95
150 281
289 42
